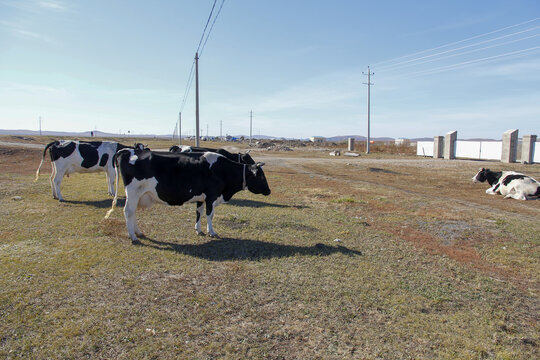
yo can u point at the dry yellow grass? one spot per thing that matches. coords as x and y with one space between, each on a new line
427 266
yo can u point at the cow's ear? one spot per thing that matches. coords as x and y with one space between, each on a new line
247 152
260 164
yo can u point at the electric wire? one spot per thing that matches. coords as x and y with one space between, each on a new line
206 26
456 42
417 62
200 49
456 49
475 61
211 27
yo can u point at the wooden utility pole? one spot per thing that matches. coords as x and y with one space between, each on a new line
369 73
180 128
250 126
221 129
197 99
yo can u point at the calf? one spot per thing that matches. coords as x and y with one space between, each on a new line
510 184
71 156
243 158
205 178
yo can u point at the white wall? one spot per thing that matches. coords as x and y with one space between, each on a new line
536 153
481 150
424 148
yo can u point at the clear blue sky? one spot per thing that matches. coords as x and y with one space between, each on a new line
124 65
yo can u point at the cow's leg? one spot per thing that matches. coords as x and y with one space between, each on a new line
131 219
210 206
51 179
517 196
111 177
57 181
198 211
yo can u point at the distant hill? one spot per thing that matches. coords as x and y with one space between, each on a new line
357 138
101 134
97 133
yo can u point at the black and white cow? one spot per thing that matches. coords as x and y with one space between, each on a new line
510 184
243 158
71 156
174 179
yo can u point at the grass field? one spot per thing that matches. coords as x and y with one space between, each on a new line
376 257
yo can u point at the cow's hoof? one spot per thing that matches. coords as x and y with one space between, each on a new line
214 235
135 242
61 200
200 233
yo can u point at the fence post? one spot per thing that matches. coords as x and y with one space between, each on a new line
450 145
438 147
509 146
527 149
350 144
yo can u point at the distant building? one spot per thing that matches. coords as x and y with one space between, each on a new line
317 139
402 141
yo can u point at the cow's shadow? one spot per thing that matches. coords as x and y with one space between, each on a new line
258 204
100 204
226 249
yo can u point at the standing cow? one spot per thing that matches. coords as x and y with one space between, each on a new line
243 158
174 179
510 184
71 156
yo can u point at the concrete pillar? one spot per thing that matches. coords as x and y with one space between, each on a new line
527 149
438 147
450 145
509 146
350 144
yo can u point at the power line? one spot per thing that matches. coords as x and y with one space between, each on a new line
199 51
212 26
456 49
206 26
416 62
475 62
458 42
188 86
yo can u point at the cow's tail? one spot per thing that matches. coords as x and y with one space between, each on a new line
43 158
115 200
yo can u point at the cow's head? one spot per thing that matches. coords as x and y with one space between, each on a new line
139 146
256 180
174 148
481 176
246 158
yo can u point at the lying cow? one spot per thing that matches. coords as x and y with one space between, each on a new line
510 184
243 158
174 179
71 156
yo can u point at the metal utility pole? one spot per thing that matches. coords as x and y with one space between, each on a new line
221 129
40 126
369 73
206 131
180 128
250 125
197 99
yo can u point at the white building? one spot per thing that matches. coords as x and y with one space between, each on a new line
402 141
317 139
